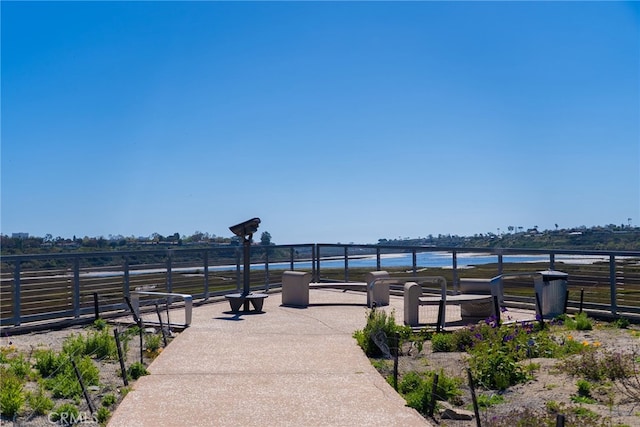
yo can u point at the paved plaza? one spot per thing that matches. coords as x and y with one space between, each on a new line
283 367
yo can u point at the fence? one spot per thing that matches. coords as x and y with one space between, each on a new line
47 287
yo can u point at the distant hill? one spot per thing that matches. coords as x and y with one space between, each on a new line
610 238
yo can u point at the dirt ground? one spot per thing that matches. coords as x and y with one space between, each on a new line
550 384
111 381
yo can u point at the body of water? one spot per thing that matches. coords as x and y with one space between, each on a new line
423 259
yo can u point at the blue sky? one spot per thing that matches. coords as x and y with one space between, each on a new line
331 121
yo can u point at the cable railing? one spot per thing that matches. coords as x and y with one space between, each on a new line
48 287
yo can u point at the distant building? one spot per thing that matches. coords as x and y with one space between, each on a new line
20 235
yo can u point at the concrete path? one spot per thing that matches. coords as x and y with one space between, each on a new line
283 367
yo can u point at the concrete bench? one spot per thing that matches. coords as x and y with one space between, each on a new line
474 286
238 299
188 302
296 285
472 306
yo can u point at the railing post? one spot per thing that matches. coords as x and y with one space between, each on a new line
266 268
500 265
552 261
169 279
291 257
76 287
612 283
378 259
205 257
16 294
415 261
314 276
238 275
454 268
346 263
317 257
126 284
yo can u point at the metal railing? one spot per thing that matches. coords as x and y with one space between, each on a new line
45 287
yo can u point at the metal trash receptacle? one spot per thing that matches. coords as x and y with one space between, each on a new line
551 289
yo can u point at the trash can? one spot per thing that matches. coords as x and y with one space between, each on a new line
551 289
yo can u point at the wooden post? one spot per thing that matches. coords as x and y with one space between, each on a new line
432 402
123 370
84 389
476 411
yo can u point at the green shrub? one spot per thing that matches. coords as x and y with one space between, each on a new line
621 322
152 342
584 393
463 339
39 402
487 400
495 368
378 320
109 400
74 345
580 322
417 389
48 362
101 344
100 324
12 396
583 323
584 388
137 370
410 382
20 367
553 407
65 413
102 415
65 383
5 352
443 342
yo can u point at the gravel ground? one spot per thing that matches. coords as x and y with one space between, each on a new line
549 384
111 381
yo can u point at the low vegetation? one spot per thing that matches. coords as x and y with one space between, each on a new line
44 383
500 356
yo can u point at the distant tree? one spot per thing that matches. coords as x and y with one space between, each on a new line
265 238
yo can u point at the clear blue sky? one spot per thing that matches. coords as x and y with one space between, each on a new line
331 121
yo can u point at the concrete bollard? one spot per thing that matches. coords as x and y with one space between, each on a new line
412 291
377 290
295 288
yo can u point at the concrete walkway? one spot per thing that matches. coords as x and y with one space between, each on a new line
283 367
